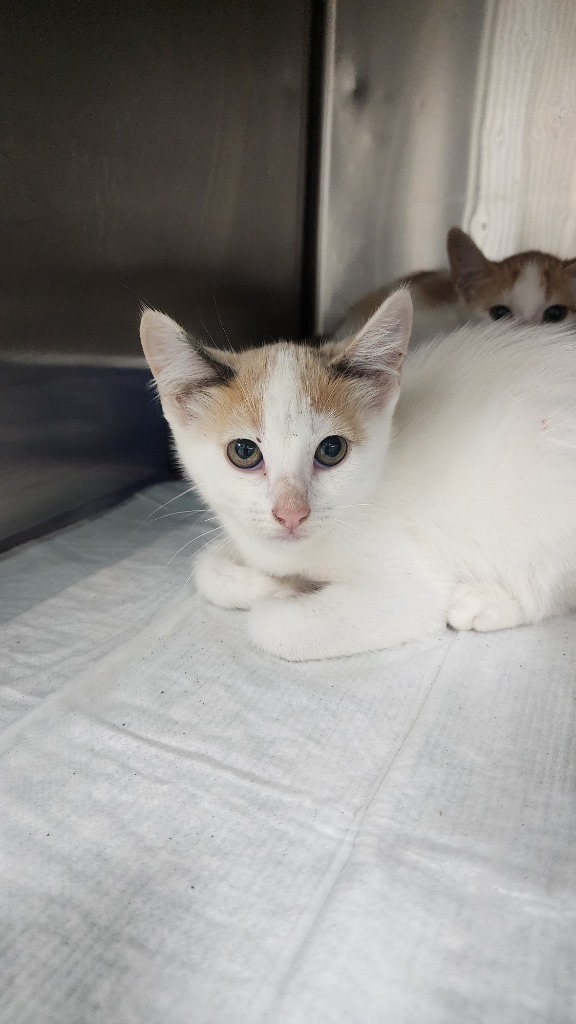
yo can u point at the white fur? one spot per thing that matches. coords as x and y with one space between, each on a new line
430 320
460 507
527 298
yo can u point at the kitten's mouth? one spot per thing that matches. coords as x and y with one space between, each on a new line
290 536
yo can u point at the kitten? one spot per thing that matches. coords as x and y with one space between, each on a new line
530 287
451 499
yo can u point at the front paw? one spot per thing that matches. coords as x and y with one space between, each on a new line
483 607
286 630
230 584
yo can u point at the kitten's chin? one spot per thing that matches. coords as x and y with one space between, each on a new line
290 538
263 539
276 554
280 537
283 543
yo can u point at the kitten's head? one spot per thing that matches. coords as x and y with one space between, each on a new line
530 287
284 439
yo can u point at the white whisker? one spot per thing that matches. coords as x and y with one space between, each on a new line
356 504
193 540
169 502
220 318
188 512
217 547
351 529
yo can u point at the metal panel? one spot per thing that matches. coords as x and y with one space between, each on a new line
441 112
151 153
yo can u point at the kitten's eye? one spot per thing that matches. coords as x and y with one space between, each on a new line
554 314
500 312
244 453
330 451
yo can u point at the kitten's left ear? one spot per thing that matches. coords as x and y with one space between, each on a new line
376 353
570 266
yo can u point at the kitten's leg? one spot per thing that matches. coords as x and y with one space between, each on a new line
230 584
343 619
483 607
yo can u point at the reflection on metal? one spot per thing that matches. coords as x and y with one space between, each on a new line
75 437
441 112
151 153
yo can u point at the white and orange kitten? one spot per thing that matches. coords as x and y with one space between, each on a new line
359 513
530 287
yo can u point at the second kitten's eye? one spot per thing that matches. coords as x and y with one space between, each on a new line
244 453
500 312
330 451
554 314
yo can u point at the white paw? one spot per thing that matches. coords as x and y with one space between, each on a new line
230 584
286 630
483 607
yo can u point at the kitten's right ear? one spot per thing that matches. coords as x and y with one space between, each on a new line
183 367
468 264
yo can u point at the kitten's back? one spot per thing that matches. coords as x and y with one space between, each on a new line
484 453
436 307
529 287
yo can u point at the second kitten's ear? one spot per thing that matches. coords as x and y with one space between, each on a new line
376 353
468 264
182 366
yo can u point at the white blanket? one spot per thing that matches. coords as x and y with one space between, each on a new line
194 833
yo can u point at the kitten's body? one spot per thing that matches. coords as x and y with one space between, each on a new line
527 284
457 504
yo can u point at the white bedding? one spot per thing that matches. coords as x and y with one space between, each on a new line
194 833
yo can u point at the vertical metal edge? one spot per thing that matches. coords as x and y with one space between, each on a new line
313 158
326 135
320 113
479 115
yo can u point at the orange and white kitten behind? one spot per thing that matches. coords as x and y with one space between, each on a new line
530 287
358 512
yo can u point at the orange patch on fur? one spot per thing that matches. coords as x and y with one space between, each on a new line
224 404
435 287
239 402
344 399
237 405
558 282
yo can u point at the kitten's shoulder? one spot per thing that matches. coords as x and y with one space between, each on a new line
433 296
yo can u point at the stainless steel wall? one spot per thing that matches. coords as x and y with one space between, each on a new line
150 151
441 112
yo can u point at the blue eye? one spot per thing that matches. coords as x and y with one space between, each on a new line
500 312
330 451
244 454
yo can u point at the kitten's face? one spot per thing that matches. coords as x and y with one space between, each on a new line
531 287
286 440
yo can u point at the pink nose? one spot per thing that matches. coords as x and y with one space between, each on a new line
291 517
